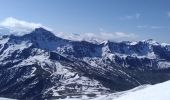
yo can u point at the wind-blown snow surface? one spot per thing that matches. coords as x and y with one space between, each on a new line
159 91
6 99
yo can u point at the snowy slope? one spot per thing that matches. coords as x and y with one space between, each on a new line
6 99
159 91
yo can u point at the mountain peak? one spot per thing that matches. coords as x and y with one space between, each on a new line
40 29
105 42
151 41
41 33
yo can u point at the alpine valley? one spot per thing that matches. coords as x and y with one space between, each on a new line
40 65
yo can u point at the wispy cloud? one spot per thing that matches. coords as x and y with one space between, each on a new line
142 26
130 17
20 26
153 27
157 27
101 29
113 36
168 14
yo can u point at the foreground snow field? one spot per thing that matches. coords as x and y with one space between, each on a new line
6 99
159 91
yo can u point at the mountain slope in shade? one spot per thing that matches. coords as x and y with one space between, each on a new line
153 92
39 65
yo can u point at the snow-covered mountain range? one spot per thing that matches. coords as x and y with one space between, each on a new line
39 65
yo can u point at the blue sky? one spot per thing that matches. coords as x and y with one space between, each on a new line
143 18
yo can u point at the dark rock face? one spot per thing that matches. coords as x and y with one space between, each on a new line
40 66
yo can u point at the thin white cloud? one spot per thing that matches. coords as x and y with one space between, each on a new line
153 27
168 14
102 36
142 26
130 17
137 15
157 27
118 36
20 26
101 29
1 28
